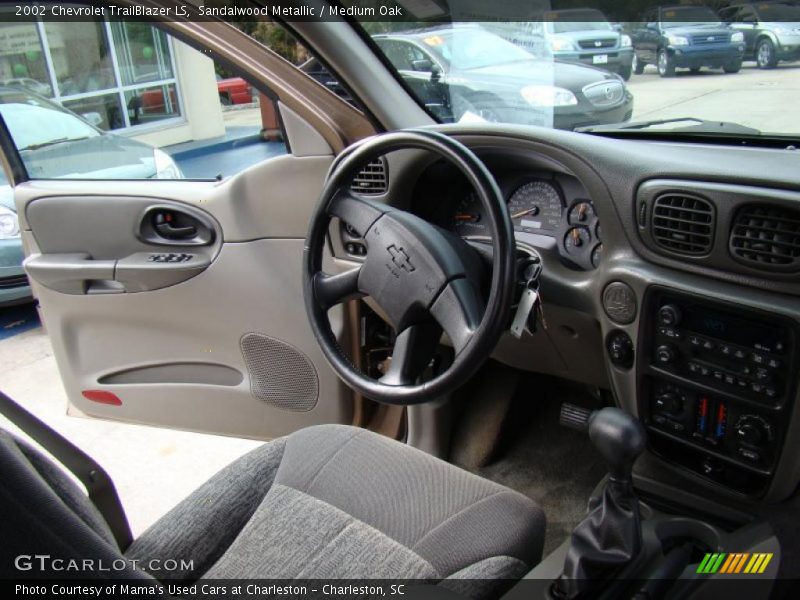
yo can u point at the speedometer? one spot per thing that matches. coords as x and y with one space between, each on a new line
536 206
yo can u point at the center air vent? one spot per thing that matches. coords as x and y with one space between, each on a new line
372 179
683 223
767 236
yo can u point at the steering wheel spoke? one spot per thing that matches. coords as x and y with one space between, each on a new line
458 310
331 290
413 350
356 211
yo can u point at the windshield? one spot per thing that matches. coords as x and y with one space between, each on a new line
576 20
595 71
688 16
472 48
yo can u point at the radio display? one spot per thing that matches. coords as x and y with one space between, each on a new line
730 328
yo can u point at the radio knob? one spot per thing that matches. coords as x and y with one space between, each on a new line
669 315
665 354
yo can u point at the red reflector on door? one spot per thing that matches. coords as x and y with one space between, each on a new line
102 397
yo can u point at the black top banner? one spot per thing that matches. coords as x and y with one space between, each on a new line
437 11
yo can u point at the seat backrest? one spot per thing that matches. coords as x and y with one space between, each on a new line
44 513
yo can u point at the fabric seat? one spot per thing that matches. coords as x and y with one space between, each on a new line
328 502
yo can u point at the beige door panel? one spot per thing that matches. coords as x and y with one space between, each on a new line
228 350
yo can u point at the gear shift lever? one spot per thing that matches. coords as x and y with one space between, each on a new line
610 535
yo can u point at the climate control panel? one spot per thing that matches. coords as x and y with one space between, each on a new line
725 427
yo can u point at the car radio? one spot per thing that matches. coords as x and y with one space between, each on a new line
715 386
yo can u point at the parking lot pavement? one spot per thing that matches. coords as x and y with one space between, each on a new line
152 468
763 99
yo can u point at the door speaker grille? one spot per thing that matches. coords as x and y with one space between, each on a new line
280 375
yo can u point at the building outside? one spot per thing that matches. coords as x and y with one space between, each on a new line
126 77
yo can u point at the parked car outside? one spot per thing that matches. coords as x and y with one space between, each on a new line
465 72
14 286
690 37
771 31
54 142
585 35
28 83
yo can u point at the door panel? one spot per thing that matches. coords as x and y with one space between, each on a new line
184 355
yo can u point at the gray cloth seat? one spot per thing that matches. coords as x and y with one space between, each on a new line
342 502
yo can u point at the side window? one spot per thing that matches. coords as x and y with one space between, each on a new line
112 99
746 15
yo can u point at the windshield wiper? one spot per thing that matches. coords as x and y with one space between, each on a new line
54 142
702 126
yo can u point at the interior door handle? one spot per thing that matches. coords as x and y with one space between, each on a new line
171 232
164 224
173 226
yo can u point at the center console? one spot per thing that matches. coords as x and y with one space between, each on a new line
716 387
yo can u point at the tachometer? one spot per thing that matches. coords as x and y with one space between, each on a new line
536 206
468 219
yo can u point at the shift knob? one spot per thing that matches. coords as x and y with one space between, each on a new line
618 438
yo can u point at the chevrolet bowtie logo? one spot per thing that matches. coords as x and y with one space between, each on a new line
400 258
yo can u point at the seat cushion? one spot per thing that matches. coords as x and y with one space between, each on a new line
342 502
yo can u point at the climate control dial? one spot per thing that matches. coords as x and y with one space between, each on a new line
753 430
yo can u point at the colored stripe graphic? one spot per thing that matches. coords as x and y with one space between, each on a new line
734 563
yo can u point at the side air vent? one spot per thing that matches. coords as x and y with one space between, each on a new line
372 179
767 236
683 223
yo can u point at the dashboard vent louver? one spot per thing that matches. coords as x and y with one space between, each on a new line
767 236
683 223
372 179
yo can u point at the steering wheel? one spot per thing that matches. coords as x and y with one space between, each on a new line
424 278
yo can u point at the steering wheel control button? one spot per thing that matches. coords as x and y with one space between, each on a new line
620 349
619 302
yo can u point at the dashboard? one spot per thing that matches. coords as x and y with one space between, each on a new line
540 202
671 274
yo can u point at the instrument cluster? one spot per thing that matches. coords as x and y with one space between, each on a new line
543 207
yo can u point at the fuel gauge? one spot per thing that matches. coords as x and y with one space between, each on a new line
581 213
577 240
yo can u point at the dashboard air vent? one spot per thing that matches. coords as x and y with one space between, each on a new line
683 223
372 179
767 236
